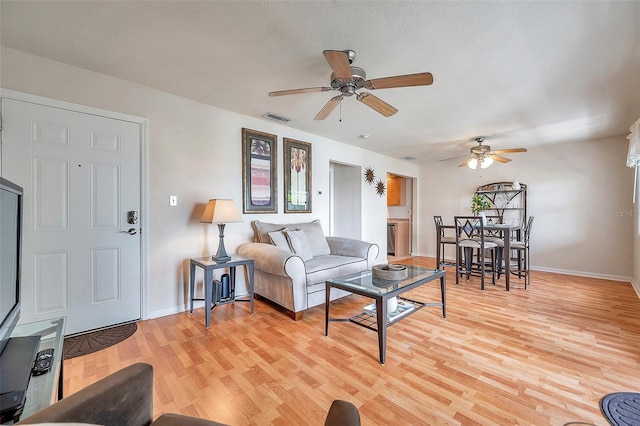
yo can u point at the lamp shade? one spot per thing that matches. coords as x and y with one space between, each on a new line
221 211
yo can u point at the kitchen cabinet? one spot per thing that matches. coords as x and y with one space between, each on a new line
395 190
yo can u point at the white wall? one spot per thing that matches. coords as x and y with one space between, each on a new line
195 152
578 193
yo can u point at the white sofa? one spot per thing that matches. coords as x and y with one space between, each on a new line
293 261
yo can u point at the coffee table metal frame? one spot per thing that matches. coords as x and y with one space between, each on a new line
362 283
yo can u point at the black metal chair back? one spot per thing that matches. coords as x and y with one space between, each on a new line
527 230
469 228
470 236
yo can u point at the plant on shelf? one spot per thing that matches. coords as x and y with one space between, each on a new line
479 203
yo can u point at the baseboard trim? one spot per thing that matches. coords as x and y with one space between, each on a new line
182 308
172 310
583 274
567 272
636 288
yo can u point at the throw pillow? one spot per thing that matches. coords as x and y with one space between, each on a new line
316 238
299 244
279 239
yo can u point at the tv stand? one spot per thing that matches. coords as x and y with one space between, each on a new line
16 361
46 389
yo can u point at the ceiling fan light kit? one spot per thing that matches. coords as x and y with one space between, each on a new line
349 80
484 163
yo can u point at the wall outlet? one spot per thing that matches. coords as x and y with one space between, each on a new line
173 200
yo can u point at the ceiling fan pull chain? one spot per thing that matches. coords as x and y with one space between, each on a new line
340 112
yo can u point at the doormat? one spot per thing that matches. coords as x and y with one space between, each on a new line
83 344
621 408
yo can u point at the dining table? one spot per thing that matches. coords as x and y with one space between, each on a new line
504 230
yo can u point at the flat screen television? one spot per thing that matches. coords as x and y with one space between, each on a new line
10 242
16 353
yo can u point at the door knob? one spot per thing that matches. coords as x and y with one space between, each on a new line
130 231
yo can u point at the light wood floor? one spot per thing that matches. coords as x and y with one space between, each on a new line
544 356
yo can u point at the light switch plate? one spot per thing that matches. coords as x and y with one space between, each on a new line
173 200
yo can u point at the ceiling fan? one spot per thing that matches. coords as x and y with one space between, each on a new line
348 80
482 156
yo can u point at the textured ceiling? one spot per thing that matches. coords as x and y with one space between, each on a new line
520 73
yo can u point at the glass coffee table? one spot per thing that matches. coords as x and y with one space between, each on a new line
383 293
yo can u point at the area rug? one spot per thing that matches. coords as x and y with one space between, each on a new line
621 408
83 344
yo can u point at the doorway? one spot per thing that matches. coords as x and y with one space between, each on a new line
345 201
400 220
82 243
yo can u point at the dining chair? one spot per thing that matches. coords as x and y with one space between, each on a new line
522 249
497 237
444 239
470 237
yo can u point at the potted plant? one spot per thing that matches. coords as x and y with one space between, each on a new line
480 203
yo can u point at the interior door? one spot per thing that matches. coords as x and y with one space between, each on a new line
81 176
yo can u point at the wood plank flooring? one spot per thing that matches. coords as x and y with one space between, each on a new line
541 356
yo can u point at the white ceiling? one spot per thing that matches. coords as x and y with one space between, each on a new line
520 73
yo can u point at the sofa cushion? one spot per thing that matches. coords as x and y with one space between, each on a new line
279 239
262 230
299 244
323 268
313 231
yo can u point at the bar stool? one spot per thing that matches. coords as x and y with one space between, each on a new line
522 249
441 240
470 237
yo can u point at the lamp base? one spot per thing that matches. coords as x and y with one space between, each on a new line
221 256
221 259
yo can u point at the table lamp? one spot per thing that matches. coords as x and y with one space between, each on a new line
221 212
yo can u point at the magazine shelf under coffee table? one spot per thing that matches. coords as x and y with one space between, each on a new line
381 291
370 320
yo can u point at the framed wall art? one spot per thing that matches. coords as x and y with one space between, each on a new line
297 176
259 172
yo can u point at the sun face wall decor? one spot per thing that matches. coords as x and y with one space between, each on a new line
369 176
380 187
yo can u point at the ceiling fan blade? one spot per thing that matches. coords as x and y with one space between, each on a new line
328 108
377 104
454 158
507 151
420 79
500 158
297 91
465 162
339 62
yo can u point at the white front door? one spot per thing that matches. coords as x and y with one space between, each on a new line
81 176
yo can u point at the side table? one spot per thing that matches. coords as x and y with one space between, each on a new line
209 265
